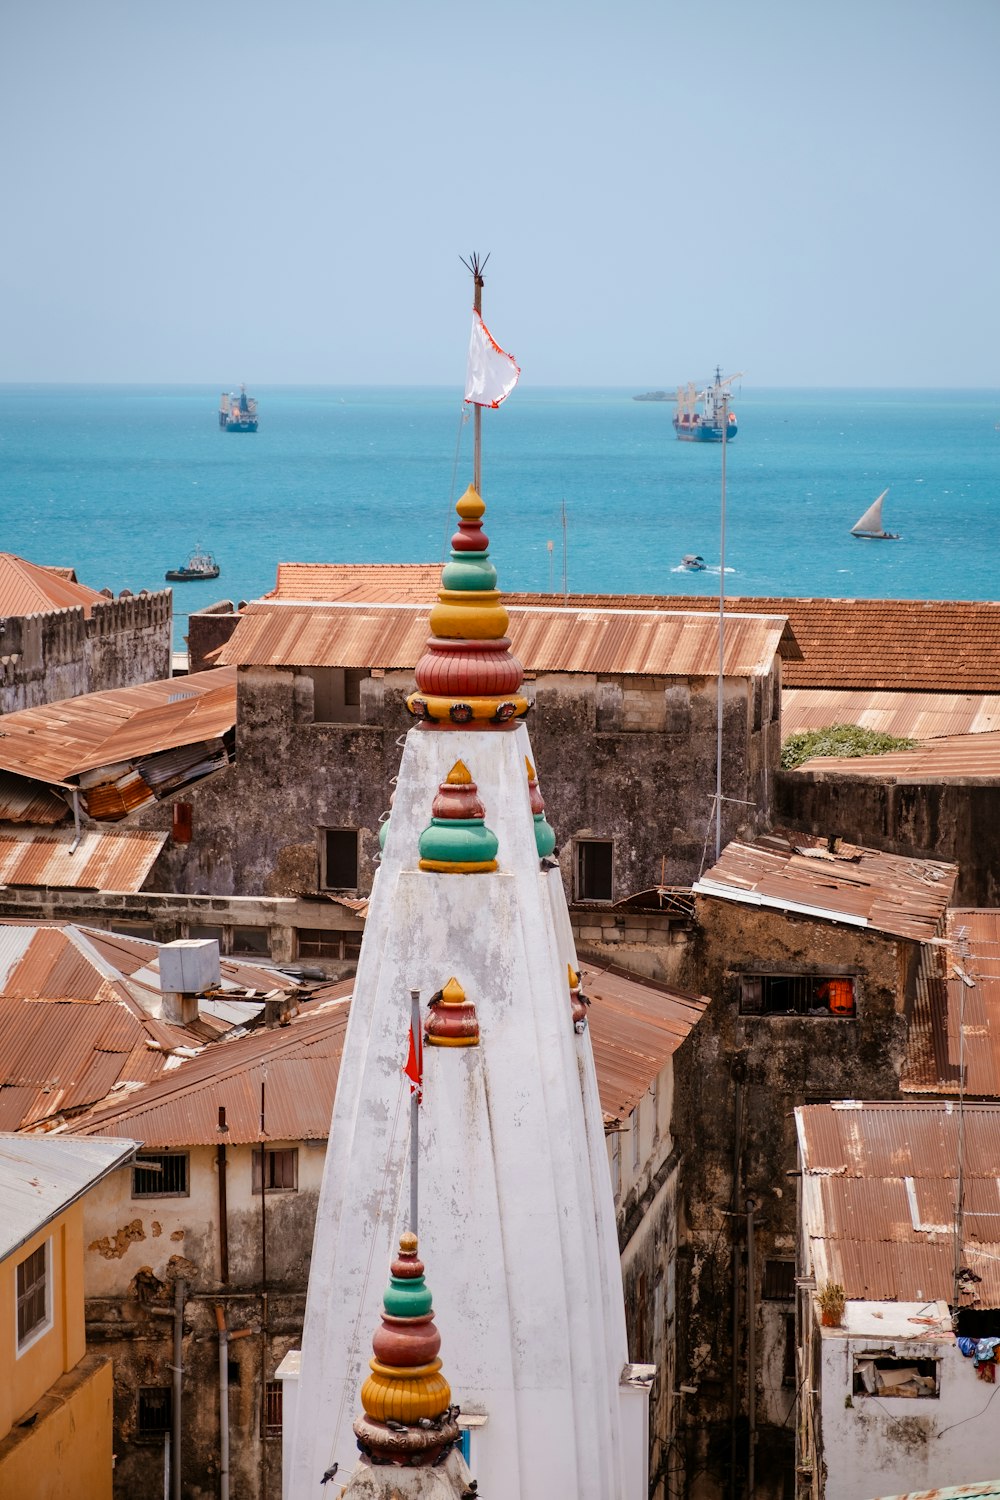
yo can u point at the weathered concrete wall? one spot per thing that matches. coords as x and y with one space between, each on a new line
934 819
208 629
630 760
47 657
136 1250
650 943
735 1097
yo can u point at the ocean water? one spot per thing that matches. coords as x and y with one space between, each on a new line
122 483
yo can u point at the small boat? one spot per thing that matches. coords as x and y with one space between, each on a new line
693 562
714 419
238 413
199 565
870 528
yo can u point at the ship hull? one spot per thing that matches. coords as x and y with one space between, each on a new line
242 426
703 432
181 575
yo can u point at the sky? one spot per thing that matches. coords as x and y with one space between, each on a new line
280 193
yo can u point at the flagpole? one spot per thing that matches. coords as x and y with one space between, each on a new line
477 419
414 1105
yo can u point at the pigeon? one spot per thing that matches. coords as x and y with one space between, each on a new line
426 1422
330 1474
436 998
395 1426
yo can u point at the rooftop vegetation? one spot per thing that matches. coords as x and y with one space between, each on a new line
839 740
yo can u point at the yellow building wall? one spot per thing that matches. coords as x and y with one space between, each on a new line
67 1452
24 1379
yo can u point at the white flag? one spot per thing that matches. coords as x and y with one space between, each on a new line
492 373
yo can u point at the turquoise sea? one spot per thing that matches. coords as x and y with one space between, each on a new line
122 482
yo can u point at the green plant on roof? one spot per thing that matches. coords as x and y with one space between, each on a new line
839 739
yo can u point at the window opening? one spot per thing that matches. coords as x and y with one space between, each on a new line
594 869
875 1375
161 1174
32 1293
272 1408
282 1170
797 995
340 859
788 1364
779 1281
317 942
155 1413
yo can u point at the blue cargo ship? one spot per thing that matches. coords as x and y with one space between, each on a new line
238 413
706 425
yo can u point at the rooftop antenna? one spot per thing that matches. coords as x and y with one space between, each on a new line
476 267
565 577
722 636
550 548
962 948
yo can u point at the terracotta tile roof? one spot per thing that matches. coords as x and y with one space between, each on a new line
953 1043
105 859
895 644
962 757
913 716
27 589
627 641
878 1198
60 742
300 1063
863 887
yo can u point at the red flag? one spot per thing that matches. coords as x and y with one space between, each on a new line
414 1067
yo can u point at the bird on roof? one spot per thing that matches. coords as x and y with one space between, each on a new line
330 1474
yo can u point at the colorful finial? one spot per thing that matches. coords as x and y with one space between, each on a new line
467 676
578 1000
406 1386
452 1021
457 841
545 838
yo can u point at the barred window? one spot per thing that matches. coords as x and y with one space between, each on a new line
318 942
154 1413
32 1294
272 1408
779 1281
160 1174
797 995
282 1170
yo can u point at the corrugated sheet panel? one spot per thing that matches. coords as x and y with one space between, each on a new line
904 897
15 939
15 1104
106 859
41 1176
60 741
28 589
635 1028
914 716
631 642
966 755
954 1037
52 967
28 802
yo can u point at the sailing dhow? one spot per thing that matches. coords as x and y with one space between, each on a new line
870 524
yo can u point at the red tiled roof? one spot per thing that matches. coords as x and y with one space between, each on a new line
387 583
27 589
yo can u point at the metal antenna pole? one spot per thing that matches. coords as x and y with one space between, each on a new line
477 410
415 1106
565 542
722 638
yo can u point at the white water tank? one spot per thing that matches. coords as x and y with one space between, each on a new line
189 966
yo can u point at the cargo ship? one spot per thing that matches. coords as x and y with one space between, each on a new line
238 413
198 566
705 426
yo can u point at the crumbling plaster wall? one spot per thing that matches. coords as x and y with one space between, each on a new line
59 654
931 819
771 1064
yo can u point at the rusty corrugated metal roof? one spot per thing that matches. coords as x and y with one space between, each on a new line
302 1063
61 742
966 757
636 1025
394 636
105 859
27 802
879 1189
953 1042
864 887
914 716
28 589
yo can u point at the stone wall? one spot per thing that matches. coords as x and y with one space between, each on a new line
932 819
631 761
208 629
745 1074
47 657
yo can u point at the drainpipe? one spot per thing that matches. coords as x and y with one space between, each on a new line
751 1354
220 1158
734 1399
180 1288
77 834
220 1318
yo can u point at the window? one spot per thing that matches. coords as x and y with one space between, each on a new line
594 862
636 1135
796 995
282 1170
875 1375
758 704
272 1408
779 1281
337 694
255 940
183 822
33 1295
215 934
339 859
160 1174
788 1364
155 1412
316 942
616 1164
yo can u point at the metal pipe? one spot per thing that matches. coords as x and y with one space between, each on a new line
263 1290
722 639
220 1158
220 1318
415 1109
77 832
734 1396
477 410
751 1354
175 1426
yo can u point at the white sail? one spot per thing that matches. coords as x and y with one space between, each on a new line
872 518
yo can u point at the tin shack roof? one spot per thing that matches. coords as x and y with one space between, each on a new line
878 1198
863 887
40 1177
914 716
556 639
958 757
298 1062
953 1042
105 859
28 589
